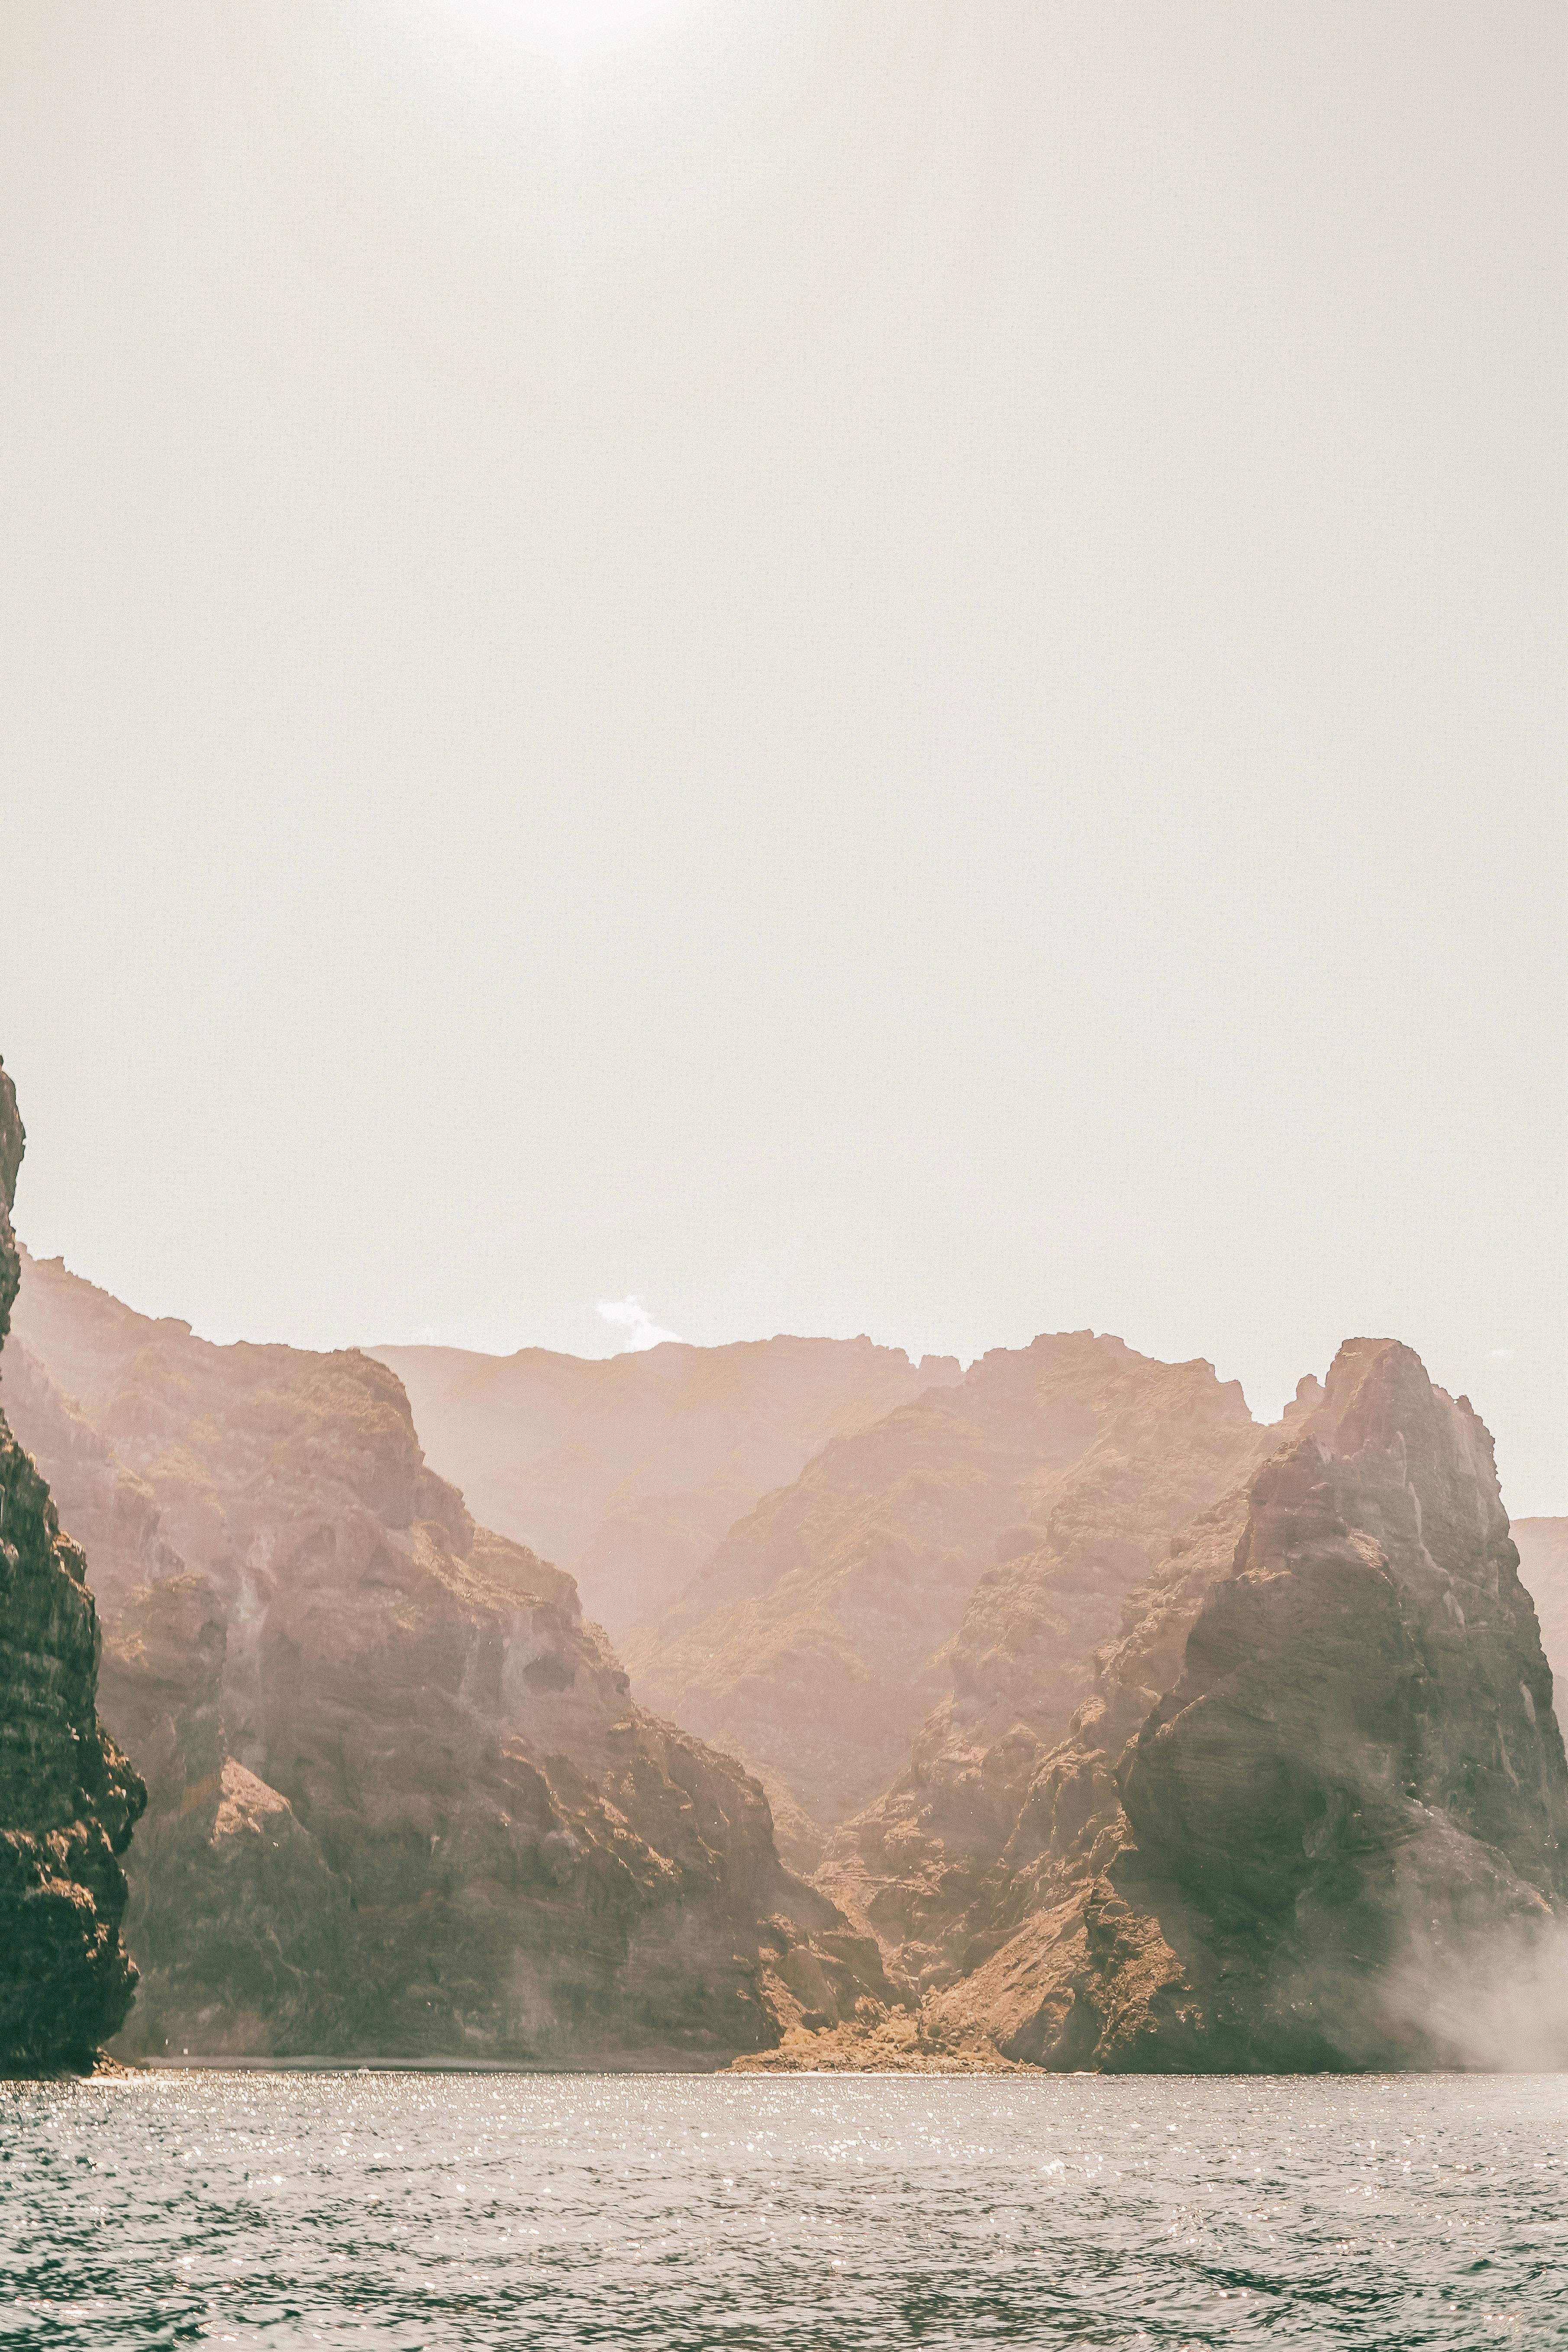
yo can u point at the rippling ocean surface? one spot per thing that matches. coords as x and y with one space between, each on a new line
816 2212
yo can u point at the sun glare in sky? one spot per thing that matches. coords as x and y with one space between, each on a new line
512 59
570 24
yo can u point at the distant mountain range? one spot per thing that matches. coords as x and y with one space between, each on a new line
628 1470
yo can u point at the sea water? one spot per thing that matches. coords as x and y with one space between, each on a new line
812 2212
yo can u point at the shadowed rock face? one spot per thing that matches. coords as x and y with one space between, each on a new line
966 1555
1336 1836
628 1471
1169 1439
401 1802
68 1798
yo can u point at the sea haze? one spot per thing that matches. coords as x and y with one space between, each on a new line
818 2213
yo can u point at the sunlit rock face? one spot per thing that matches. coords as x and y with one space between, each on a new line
1315 1812
936 1582
1165 1441
68 1799
401 1801
628 1471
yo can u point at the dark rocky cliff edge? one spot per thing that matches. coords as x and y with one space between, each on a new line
1314 1815
401 1802
1353 1805
68 1799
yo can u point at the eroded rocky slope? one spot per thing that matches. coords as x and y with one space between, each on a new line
966 1555
401 1801
1314 1812
1170 1440
68 1799
628 1471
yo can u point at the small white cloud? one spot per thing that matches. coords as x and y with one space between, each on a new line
631 1316
1494 1355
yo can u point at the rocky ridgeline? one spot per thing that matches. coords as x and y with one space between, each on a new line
1314 1812
937 1580
67 1797
1165 1441
401 1802
629 1470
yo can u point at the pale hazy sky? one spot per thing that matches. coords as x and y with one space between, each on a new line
849 665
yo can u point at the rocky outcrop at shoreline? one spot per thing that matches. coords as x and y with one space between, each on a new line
68 1799
401 1801
1314 1814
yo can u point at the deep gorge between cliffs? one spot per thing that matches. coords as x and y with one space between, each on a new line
1050 1714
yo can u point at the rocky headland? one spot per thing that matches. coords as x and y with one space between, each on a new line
68 1799
1313 1812
401 1803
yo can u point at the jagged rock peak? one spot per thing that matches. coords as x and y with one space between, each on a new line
1344 1841
67 1797
1376 1605
1313 1815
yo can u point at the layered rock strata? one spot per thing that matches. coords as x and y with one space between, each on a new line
69 1799
401 1803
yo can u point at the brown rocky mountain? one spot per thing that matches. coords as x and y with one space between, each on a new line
1144 1737
1025 1658
954 1566
627 1471
1314 1812
67 1797
1543 1564
401 1802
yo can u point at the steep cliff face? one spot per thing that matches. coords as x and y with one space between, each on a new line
628 1472
401 1802
1315 1815
1169 1439
68 1798
937 1561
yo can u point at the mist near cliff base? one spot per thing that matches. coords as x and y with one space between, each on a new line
1497 2004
